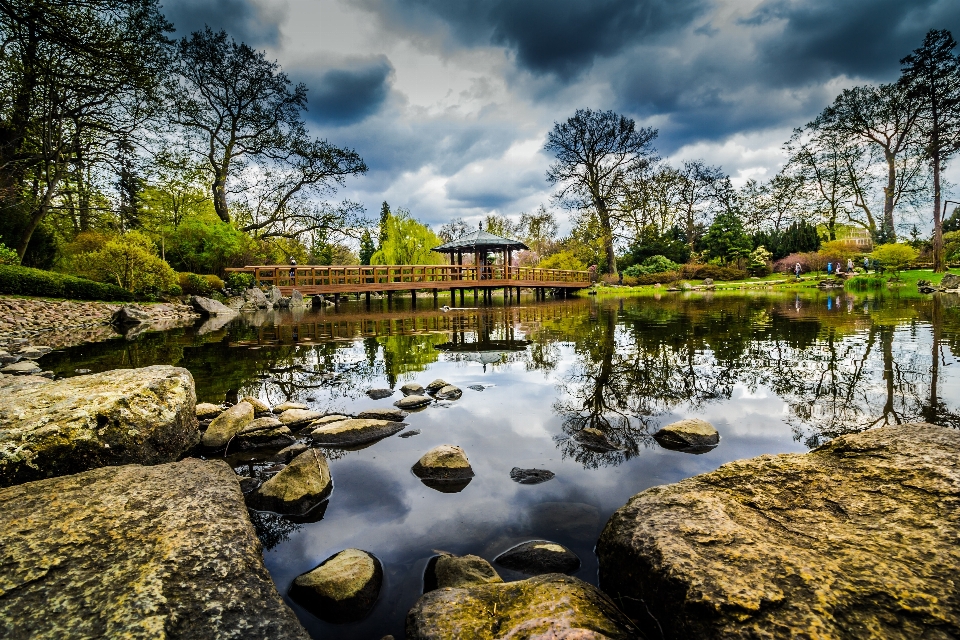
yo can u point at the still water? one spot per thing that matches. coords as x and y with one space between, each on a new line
773 373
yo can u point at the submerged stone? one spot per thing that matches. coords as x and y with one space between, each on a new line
117 417
530 476
449 392
855 539
538 557
549 606
136 552
298 488
343 588
436 385
379 394
412 389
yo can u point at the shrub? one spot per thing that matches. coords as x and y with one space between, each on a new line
810 261
703 271
658 278
563 260
653 264
894 256
864 283
8 255
131 262
239 281
175 290
35 282
195 285
758 263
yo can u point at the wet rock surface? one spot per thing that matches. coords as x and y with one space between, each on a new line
530 476
853 540
354 431
303 484
413 402
122 416
207 410
379 394
136 552
436 385
343 588
227 425
444 468
539 557
690 436
296 418
394 415
549 606
449 392
447 571
412 389
286 406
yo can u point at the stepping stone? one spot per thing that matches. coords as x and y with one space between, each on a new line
689 436
294 418
412 389
343 588
379 394
228 424
449 392
259 407
286 406
537 557
394 415
413 402
23 367
436 385
354 431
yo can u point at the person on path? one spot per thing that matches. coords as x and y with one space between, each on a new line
796 269
850 265
829 268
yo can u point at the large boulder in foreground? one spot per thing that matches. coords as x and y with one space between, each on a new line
136 552
143 416
856 539
550 606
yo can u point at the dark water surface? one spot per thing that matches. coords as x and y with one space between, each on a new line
774 374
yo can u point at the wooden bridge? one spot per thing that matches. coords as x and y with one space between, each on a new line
340 280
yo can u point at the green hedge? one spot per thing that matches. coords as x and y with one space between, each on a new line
24 281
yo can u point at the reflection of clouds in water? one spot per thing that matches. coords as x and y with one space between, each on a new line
366 490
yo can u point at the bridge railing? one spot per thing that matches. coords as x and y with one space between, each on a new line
365 276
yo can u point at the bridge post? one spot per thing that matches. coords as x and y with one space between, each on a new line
413 297
368 299
436 294
474 295
463 296
389 299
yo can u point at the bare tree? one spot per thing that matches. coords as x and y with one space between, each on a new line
596 151
697 192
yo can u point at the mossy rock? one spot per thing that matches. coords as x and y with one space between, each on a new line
298 488
228 424
549 606
343 588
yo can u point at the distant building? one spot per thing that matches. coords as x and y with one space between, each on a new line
857 237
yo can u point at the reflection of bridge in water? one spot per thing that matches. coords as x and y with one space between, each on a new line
487 326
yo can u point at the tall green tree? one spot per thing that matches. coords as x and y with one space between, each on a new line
406 241
596 152
77 77
931 77
726 239
367 247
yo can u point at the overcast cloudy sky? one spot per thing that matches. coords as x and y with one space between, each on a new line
449 101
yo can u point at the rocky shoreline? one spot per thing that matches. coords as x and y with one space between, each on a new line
108 520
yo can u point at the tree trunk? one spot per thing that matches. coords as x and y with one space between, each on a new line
888 192
607 236
220 197
939 260
38 215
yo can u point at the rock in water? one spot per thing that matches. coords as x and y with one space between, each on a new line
436 385
393 415
410 434
22 368
137 552
122 416
295 418
379 394
273 295
210 307
950 281
262 433
530 476
550 606
254 297
259 407
448 571
355 431
128 315
413 402
538 557
343 588
207 411
855 539
444 468
286 406
449 392
296 300
319 422
227 425
302 485
691 436
412 389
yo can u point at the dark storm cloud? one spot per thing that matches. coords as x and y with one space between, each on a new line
349 93
562 37
245 20
825 38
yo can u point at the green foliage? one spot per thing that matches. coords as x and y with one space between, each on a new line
653 264
563 260
207 245
239 281
894 256
758 261
130 262
198 285
703 271
8 255
864 283
799 237
406 241
662 277
726 239
951 245
837 250
672 245
25 281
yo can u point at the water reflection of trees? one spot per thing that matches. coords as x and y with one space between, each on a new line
837 371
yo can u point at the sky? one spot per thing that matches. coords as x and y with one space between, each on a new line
449 102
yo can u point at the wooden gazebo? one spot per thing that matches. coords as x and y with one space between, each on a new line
481 244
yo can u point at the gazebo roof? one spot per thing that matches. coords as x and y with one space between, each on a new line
479 240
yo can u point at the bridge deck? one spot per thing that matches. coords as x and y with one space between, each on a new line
312 280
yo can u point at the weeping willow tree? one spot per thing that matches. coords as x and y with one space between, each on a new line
406 241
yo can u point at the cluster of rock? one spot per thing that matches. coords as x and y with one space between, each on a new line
950 283
65 323
255 299
19 358
416 396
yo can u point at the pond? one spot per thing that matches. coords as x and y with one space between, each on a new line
773 373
